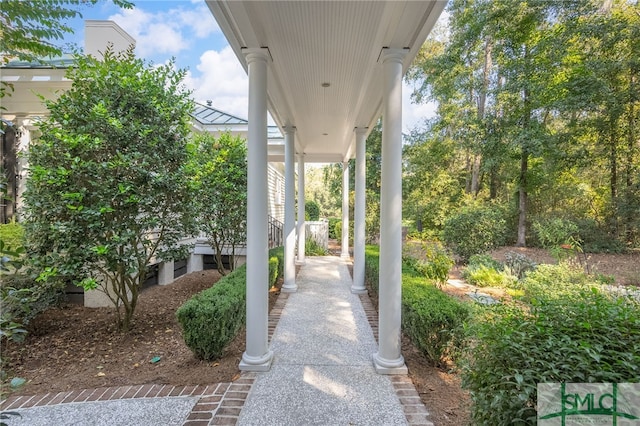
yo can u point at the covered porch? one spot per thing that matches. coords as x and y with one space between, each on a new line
326 71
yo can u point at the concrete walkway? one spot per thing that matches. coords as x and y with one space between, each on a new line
322 374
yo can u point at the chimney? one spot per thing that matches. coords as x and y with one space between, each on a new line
209 102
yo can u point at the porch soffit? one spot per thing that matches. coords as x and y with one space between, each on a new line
335 42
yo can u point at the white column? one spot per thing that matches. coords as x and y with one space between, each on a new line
289 211
359 213
195 263
388 359
165 272
257 356
344 253
301 220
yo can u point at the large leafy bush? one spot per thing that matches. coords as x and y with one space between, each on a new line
107 191
475 229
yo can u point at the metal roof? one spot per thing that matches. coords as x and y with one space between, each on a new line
207 115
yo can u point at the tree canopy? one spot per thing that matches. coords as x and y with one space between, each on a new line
218 170
107 190
537 109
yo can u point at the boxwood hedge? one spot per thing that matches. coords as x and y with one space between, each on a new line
212 318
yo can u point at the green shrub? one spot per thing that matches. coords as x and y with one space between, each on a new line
475 229
518 264
278 252
431 318
372 267
12 234
312 248
332 228
312 209
212 318
556 282
485 260
484 276
596 239
436 263
586 336
555 232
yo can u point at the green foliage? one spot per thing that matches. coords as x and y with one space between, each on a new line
485 276
218 171
596 239
278 252
475 230
332 228
555 232
585 336
312 209
518 264
107 190
211 319
12 234
434 263
556 281
312 248
372 267
337 230
31 29
432 319
485 260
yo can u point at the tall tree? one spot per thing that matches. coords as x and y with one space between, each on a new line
218 169
107 190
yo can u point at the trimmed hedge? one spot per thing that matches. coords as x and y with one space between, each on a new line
432 319
211 319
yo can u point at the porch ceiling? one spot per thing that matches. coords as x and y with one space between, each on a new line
335 42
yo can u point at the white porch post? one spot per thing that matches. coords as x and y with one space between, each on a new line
257 356
289 211
388 359
301 220
345 211
359 213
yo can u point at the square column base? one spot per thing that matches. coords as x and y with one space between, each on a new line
390 369
260 367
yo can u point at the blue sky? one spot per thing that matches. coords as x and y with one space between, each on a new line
187 31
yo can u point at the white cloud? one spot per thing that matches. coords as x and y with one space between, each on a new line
166 32
414 114
200 20
222 80
153 34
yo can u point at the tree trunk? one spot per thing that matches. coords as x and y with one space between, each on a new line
522 199
482 102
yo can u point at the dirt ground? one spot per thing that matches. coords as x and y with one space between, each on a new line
73 347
